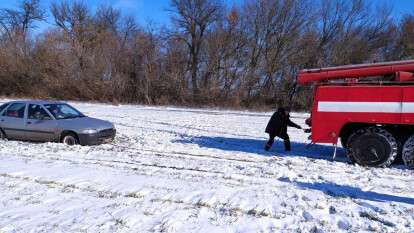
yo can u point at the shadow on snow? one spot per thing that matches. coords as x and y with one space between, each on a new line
257 146
324 152
336 190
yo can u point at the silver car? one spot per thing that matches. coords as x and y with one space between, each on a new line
47 121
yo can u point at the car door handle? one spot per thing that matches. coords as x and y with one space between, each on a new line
29 122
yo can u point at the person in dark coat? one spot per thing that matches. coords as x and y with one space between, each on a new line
277 127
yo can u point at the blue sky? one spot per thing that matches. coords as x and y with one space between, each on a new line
155 10
400 7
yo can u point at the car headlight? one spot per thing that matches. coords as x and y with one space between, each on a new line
89 131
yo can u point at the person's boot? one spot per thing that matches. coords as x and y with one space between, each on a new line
287 146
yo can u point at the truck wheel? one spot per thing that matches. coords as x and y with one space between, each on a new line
70 139
372 146
344 142
408 152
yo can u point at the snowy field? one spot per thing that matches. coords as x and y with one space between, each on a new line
188 170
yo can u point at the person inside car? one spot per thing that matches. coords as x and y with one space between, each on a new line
57 112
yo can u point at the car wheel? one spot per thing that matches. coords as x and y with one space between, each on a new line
70 139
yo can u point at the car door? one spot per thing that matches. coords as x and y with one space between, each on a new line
40 125
12 121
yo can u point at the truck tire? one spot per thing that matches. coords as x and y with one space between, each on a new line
344 142
70 139
408 153
372 146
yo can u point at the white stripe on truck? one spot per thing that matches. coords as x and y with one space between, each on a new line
408 107
379 107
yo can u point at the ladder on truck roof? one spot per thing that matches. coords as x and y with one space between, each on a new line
402 71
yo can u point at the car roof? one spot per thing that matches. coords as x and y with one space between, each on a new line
41 102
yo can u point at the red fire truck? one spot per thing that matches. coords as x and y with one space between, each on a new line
369 107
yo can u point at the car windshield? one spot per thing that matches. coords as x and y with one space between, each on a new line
63 111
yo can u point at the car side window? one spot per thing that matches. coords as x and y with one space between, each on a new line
15 110
36 112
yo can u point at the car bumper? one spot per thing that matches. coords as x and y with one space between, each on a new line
104 136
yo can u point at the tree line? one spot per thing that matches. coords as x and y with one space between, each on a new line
211 54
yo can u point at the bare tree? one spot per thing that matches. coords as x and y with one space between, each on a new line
109 19
404 47
75 21
273 28
192 19
349 28
243 56
223 58
15 24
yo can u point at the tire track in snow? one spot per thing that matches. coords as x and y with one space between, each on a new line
266 173
186 127
185 154
222 208
231 180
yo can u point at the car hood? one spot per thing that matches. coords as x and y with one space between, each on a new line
82 123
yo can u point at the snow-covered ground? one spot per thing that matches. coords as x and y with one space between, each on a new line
188 170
